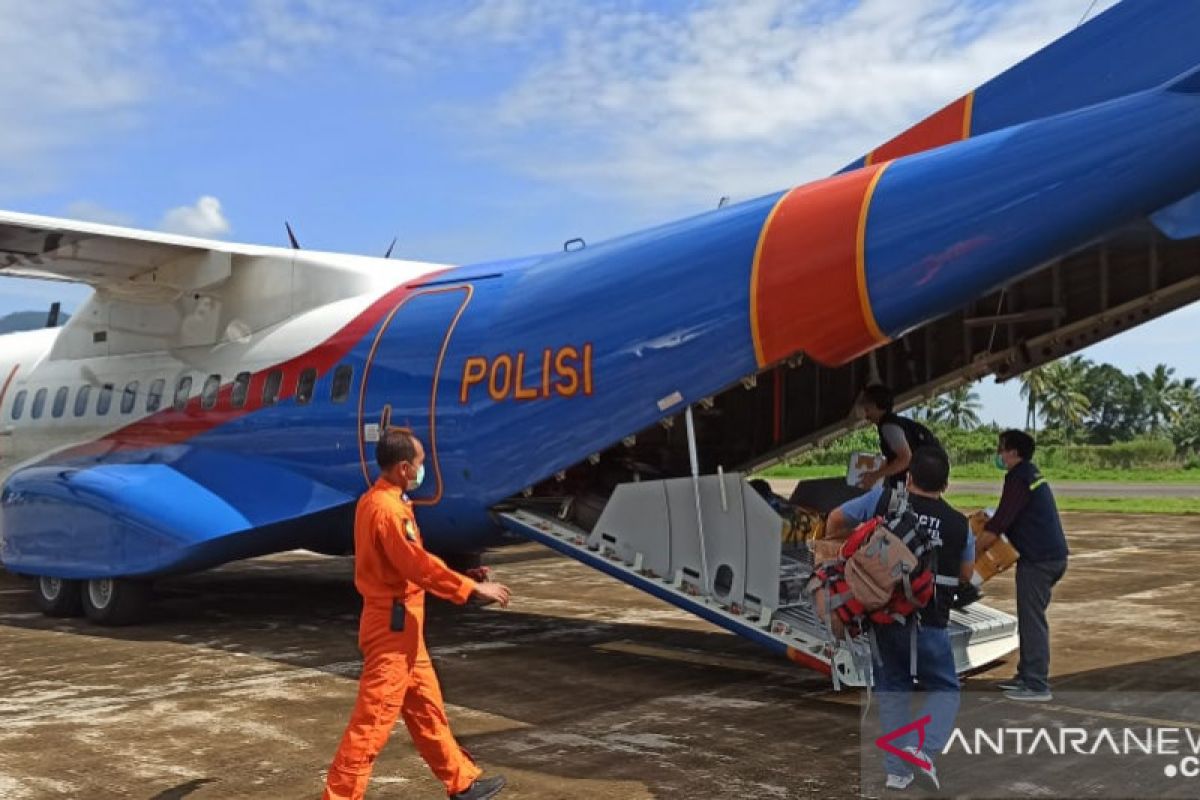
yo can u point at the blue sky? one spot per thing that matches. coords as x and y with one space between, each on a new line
477 129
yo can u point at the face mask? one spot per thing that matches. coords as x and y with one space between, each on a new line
999 461
416 482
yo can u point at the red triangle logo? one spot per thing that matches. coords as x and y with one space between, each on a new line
885 742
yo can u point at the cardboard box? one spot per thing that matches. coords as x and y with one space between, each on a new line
862 463
999 557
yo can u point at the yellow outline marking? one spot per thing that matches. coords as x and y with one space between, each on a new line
437 376
860 259
968 111
758 248
1036 484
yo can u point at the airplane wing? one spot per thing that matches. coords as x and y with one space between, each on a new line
129 262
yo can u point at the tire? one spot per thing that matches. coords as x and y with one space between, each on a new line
58 597
115 601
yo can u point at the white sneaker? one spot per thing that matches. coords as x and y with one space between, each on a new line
898 783
928 774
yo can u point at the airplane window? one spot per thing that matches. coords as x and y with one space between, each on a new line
81 400
271 386
182 392
19 404
341 383
60 402
208 396
129 397
241 388
308 380
39 403
154 395
104 401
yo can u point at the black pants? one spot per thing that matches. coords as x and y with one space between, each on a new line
1035 583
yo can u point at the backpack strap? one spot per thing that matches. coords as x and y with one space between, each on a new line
885 500
912 647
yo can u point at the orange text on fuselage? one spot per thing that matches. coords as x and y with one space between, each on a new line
554 372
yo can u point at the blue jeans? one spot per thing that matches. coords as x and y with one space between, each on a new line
938 689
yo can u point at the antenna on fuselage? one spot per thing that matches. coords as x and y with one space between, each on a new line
388 254
724 201
52 317
291 235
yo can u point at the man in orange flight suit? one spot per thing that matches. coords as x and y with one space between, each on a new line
392 571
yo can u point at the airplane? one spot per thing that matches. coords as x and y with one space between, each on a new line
216 401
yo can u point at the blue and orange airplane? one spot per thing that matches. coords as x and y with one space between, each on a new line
216 401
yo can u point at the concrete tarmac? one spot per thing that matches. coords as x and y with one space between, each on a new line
784 486
241 684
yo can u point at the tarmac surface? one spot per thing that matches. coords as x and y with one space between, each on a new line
241 684
784 486
1092 488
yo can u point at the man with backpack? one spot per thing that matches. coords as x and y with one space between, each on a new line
899 437
933 667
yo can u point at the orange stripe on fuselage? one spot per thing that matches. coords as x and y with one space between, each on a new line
860 258
950 124
808 290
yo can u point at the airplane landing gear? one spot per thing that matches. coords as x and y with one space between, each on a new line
58 597
115 601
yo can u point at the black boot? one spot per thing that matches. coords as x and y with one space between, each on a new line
481 789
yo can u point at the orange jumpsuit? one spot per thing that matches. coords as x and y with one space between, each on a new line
391 564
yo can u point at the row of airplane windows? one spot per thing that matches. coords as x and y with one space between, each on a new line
272 388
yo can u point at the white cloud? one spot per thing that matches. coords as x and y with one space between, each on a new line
203 218
743 97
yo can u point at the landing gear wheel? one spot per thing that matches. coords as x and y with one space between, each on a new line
115 601
58 597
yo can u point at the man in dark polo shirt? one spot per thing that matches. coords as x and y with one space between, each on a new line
1028 515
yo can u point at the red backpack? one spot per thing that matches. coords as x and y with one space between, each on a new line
883 573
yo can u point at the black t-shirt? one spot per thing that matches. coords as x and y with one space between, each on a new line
915 434
949 529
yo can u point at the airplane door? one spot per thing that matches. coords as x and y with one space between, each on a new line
400 378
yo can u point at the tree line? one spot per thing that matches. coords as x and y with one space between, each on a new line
1076 401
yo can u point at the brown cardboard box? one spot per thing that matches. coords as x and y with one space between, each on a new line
997 558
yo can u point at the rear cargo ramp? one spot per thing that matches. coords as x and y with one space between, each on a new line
712 546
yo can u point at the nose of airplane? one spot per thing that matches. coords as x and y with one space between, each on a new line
846 263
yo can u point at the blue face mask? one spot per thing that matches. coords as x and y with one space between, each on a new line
999 461
416 482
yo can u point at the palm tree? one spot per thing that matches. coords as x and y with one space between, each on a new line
1064 403
958 408
1033 388
1160 393
1185 399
